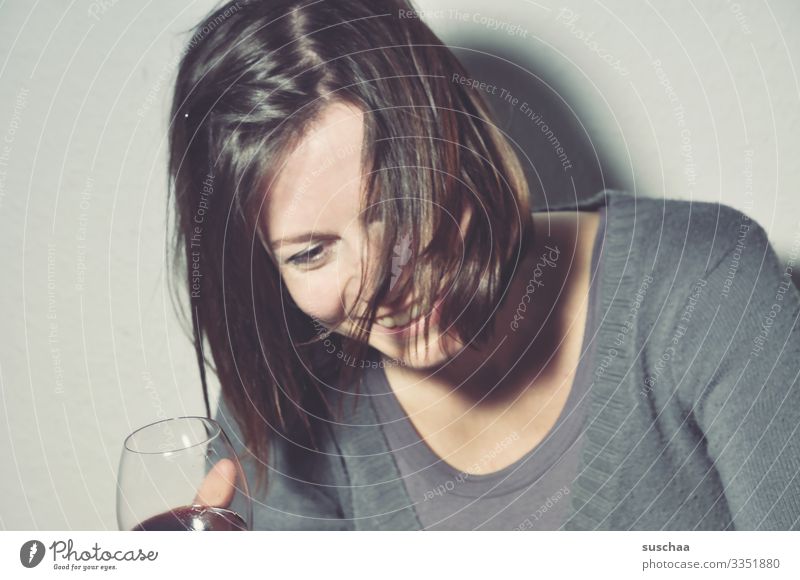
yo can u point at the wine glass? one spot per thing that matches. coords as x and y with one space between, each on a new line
182 474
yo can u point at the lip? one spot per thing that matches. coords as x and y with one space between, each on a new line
412 324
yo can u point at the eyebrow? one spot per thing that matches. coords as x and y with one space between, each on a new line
303 238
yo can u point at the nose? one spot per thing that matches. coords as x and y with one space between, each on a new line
356 264
400 272
399 277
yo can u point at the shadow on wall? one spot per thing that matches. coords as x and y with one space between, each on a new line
534 111
558 155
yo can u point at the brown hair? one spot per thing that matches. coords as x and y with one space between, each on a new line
255 75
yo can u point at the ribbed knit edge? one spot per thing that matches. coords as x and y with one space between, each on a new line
592 497
595 496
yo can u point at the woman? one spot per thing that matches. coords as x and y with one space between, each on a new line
402 344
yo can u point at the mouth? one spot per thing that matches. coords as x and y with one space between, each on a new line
406 319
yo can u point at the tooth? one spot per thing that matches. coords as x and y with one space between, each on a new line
402 319
415 311
387 321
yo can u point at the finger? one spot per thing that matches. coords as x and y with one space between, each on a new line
219 485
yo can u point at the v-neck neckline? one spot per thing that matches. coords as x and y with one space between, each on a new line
561 435
375 482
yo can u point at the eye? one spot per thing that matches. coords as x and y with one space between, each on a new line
309 258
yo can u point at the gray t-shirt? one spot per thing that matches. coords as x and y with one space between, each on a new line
533 493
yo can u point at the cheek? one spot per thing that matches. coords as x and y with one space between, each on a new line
329 293
319 296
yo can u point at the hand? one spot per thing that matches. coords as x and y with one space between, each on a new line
218 487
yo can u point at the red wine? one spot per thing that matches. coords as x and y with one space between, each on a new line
194 519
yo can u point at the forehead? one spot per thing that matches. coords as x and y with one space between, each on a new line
319 185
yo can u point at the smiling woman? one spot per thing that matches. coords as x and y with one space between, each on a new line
325 150
331 257
402 344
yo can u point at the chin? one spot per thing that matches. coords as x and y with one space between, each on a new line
404 344
415 356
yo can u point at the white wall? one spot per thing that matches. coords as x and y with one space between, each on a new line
91 348
723 101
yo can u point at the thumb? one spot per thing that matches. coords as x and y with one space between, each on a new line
219 485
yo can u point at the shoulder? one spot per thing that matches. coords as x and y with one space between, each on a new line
676 233
680 242
719 294
663 231
704 263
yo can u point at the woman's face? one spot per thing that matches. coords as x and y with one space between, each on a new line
320 243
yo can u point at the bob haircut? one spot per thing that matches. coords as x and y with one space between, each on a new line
254 77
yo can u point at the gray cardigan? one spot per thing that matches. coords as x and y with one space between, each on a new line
693 422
